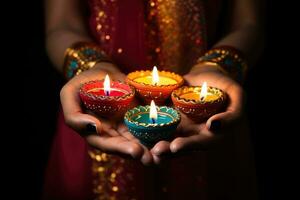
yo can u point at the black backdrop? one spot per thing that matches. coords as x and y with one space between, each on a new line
34 128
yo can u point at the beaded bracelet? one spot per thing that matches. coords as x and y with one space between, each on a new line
82 56
230 60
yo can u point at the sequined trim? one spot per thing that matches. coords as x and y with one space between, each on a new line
105 22
113 177
230 59
176 33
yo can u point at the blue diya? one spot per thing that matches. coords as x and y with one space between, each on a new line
148 130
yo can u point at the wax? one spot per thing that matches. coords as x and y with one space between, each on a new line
196 96
144 118
162 80
113 92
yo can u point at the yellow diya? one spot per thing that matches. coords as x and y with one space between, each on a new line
154 85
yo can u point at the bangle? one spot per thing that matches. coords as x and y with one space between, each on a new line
210 64
82 56
230 60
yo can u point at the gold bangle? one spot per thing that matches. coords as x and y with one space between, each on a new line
210 64
82 56
229 59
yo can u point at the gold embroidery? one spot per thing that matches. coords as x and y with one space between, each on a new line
176 35
111 177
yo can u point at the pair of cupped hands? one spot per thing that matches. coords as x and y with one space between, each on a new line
113 137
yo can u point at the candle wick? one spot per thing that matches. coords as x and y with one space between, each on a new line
107 93
153 120
202 99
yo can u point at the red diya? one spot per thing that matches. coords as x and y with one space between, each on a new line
105 98
199 103
154 85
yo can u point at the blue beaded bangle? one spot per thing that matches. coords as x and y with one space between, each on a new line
229 59
82 56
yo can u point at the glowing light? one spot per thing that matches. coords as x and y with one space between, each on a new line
153 112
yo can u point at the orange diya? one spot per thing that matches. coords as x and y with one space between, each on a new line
154 85
107 99
199 103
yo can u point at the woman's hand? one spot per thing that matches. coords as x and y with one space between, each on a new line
110 136
197 136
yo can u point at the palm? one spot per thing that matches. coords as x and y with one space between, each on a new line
111 137
116 139
214 79
192 135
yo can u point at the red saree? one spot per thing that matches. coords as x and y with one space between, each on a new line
138 34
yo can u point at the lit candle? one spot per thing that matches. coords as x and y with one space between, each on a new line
151 124
106 98
153 112
203 92
155 78
203 96
154 85
106 85
199 103
106 88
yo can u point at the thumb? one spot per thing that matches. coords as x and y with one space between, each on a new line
222 120
84 124
232 113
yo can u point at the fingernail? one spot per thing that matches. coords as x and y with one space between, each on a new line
91 128
215 125
156 152
174 149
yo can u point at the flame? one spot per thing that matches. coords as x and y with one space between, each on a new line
153 112
203 92
155 77
106 85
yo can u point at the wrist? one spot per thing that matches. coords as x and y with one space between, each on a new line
228 59
207 67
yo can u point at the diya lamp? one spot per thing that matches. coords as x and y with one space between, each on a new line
106 98
199 103
154 85
150 124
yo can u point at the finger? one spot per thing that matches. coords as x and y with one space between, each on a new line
123 130
73 115
156 159
220 121
186 130
162 147
109 130
161 151
84 124
108 126
122 127
119 76
70 100
198 141
232 113
147 157
116 145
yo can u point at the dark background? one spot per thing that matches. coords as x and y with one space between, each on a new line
32 130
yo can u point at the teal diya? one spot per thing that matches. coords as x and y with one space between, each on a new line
151 124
